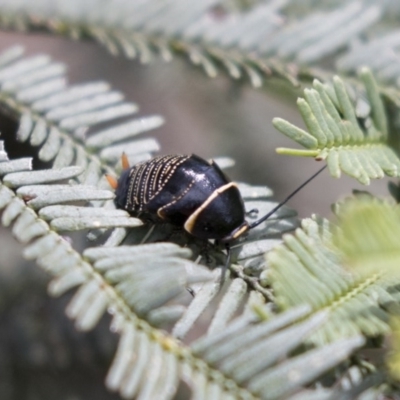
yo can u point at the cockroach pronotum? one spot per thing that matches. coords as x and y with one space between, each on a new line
188 192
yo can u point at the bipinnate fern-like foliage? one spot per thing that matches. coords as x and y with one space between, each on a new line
264 40
56 121
322 281
142 285
367 237
309 269
357 144
136 285
248 44
351 269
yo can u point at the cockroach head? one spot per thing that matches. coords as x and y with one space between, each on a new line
121 192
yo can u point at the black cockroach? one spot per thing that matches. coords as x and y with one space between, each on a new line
188 192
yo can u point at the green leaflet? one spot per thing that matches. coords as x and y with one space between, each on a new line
393 355
356 146
309 268
368 235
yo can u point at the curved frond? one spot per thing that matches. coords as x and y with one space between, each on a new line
367 236
245 44
145 29
351 134
122 280
56 118
99 288
65 123
309 269
142 285
254 43
270 340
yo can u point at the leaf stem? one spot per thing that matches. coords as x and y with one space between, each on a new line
298 152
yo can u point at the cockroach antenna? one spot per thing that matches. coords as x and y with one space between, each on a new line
282 203
264 218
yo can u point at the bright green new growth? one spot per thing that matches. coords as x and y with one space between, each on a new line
368 236
393 355
358 146
309 268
